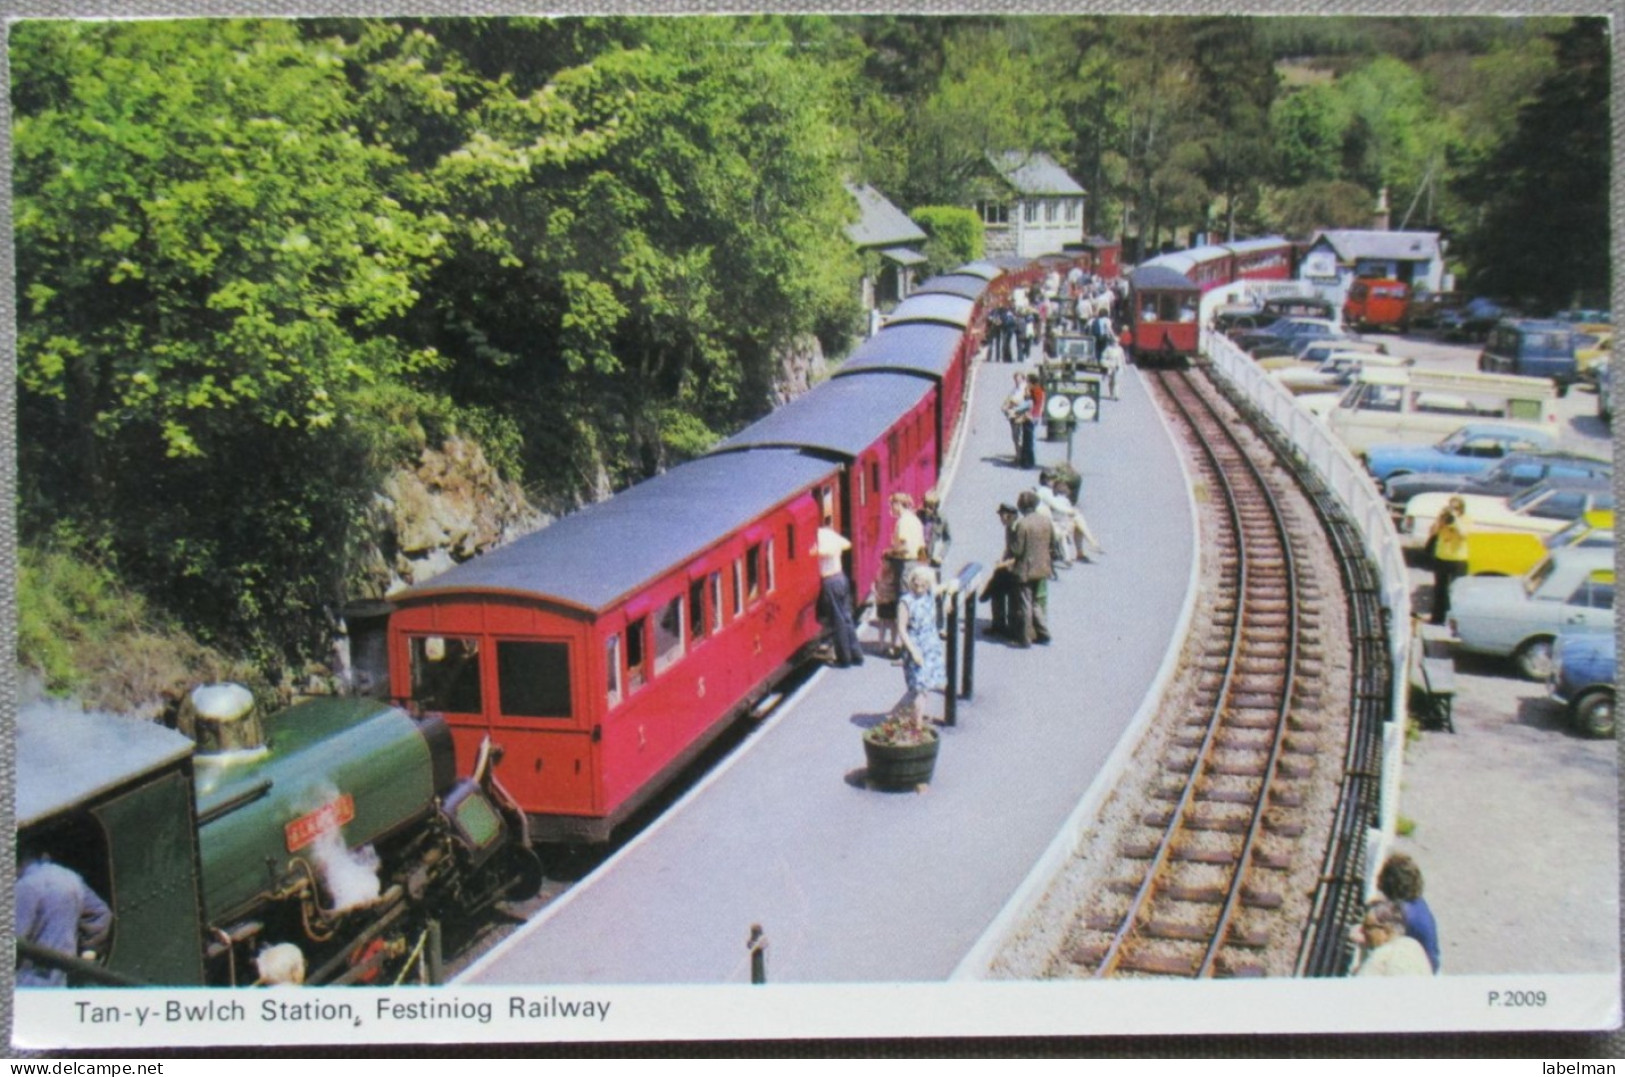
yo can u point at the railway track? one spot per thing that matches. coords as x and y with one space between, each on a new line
1199 888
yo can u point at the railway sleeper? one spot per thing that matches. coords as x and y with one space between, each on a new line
1183 932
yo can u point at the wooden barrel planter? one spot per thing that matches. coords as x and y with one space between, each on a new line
901 766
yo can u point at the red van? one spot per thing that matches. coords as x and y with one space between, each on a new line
1378 304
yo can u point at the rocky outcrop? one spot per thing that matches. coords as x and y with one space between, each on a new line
801 366
449 507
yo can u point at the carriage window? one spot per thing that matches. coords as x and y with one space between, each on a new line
753 572
696 609
790 542
739 589
669 634
716 601
772 574
612 663
894 454
533 679
637 674
446 673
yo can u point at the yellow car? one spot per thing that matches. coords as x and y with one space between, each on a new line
1513 553
1593 345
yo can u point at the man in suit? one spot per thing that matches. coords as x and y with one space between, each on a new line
1029 560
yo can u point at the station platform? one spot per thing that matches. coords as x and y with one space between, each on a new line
851 884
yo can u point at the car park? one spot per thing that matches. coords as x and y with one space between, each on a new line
1469 450
1513 553
1532 349
1583 673
1511 474
1540 510
1520 618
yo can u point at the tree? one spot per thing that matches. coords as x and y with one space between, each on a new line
1545 228
208 261
1237 86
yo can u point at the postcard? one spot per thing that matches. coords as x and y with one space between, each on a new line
768 526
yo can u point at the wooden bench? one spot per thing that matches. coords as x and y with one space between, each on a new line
1433 675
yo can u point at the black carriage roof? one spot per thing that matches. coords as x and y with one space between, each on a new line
593 558
838 418
964 285
916 347
1160 278
934 307
66 757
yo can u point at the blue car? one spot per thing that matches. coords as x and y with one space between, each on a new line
1471 450
1583 680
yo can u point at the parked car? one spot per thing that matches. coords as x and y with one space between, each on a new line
1605 393
1470 450
1593 348
1519 471
1289 340
1583 669
1427 309
1317 350
1532 349
1513 553
1300 306
1541 509
1282 328
1520 618
1332 375
1374 304
1233 322
1473 320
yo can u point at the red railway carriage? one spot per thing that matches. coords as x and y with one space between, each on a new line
881 428
605 651
1163 305
923 350
1268 258
966 316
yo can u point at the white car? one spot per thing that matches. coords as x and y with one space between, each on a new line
1541 510
1520 617
1337 371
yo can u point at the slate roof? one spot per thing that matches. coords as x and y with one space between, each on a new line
1034 173
838 418
66 756
594 558
916 347
1351 245
880 224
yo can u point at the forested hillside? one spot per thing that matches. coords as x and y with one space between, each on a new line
262 265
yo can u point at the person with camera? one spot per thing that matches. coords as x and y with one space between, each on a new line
1447 542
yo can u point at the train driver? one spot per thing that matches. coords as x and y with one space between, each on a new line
56 910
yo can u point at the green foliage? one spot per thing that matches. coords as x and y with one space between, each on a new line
955 235
82 631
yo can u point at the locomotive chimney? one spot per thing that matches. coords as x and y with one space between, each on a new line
221 718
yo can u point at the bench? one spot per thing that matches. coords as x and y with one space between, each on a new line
1433 675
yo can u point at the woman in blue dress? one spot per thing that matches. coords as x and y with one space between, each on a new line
923 663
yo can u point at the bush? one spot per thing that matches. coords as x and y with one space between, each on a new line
955 235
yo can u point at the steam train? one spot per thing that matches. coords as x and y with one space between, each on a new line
316 845
1165 293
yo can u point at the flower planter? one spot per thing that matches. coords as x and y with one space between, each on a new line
901 766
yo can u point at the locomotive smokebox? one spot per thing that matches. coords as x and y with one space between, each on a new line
221 719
